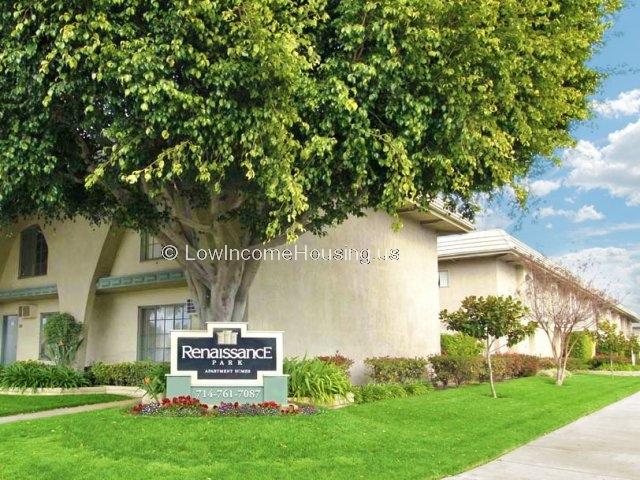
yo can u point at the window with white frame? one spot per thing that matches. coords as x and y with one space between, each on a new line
156 324
443 278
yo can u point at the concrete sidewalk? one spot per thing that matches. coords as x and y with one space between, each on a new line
65 411
604 445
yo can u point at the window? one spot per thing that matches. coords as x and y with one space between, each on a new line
150 247
43 322
443 278
156 324
33 253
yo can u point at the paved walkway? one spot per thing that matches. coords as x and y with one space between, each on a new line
65 411
604 446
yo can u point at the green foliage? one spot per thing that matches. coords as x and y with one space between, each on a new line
574 364
458 370
459 344
129 374
490 318
313 110
31 375
339 360
610 341
583 345
317 380
396 369
62 338
633 344
373 392
155 382
600 359
620 367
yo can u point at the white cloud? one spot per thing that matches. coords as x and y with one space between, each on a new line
604 231
489 218
586 212
614 167
627 103
549 226
540 188
614 270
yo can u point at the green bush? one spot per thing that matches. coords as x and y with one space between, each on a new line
457 370
584 346
62 339
460 345
127 374
396 369
381 391
31 375
315 379
602 359
574 364
620 367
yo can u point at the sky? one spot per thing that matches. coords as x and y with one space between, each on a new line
586 213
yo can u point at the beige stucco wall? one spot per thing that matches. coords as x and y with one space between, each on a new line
471 276
384 308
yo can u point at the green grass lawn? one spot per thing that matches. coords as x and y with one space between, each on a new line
14 404
429 436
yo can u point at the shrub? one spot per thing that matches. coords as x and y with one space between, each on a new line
515 365
155 383
314 379
459 345
341 361
620 367
574 364
551 373
584 347
457 370
32 375
127 374
381 391
396 369
600 359
62 339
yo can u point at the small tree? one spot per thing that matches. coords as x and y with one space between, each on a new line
634 347
63 337
489 319
610 341
560 303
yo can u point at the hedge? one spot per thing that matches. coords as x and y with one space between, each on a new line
126 374
396 369
583 348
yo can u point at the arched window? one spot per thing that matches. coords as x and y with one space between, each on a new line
33 252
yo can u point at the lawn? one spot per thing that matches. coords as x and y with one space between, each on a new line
429 436
14 404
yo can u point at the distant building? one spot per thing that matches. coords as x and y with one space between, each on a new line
492 262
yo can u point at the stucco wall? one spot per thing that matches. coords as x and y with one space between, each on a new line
384 308
470 276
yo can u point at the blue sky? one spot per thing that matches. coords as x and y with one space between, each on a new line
588 210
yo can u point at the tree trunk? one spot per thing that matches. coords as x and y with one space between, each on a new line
219 279
490 368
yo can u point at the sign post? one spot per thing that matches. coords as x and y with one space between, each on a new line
227 363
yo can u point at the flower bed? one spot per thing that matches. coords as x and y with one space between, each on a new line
191 407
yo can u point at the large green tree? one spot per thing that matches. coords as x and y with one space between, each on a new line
235 122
